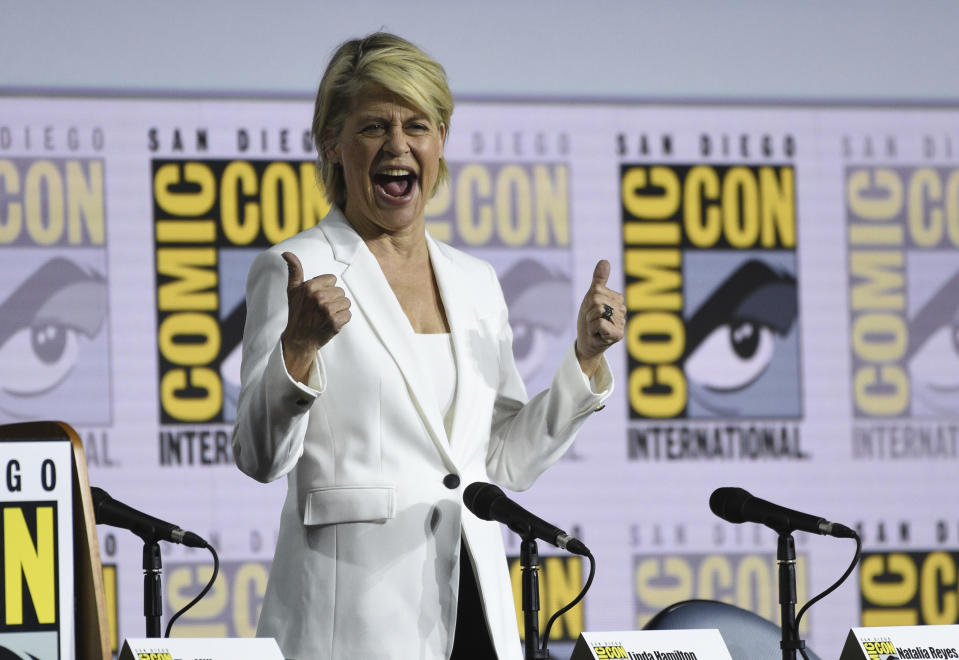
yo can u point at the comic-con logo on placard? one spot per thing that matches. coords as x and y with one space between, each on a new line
881 649
211 218
54 339
709 256
903 233
516 215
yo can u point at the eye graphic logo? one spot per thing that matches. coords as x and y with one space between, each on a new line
53 343
540 315
10 654
932 354
741 351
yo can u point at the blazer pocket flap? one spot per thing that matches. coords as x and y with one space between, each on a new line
343 504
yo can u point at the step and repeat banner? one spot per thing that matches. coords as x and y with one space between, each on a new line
792 281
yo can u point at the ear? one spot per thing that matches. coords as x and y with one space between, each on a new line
331 150
333 153
443 133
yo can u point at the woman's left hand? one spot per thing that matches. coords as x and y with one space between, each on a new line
601 322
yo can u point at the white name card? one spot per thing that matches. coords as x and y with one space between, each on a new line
197 648
651 645
904 642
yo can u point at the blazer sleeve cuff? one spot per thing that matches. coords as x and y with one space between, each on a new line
590 393
296 396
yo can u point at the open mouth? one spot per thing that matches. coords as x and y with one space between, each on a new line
396 183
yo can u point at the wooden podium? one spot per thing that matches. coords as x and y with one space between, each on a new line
90 625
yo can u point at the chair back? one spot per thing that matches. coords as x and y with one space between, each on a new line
748 636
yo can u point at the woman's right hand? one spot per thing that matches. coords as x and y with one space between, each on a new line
317 310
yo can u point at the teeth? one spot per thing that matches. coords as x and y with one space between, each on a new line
395 172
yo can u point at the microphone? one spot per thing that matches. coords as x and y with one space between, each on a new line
489 502
116 514
736 505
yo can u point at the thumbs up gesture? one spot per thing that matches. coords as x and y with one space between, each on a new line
317 311
601 322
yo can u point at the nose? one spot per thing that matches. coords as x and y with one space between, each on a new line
396 143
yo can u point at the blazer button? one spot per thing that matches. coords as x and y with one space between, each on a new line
451 481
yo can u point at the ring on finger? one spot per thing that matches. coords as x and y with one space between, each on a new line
607 313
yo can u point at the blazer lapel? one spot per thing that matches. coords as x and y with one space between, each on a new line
456 293
372 295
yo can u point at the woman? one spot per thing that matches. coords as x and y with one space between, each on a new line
378 377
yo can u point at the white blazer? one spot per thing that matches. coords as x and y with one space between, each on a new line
367 559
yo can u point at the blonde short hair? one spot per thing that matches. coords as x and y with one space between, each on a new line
380 60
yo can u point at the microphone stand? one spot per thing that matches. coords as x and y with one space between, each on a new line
786 558
152 596
529 560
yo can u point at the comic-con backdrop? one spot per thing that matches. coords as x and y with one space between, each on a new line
792 282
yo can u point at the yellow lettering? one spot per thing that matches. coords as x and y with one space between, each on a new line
874 194
280 183
880 283
241 223
191 408
44 229
194 283
938 571
11 222
193 203
740 207
33 563
552 207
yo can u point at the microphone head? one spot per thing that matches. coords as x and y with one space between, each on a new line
727 503
479 497
99 496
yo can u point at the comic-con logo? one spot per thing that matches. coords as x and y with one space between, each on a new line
902 227
711 291
211 218
54 343
903 231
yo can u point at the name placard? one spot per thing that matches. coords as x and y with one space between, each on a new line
36 548
651 645
903 642
200 648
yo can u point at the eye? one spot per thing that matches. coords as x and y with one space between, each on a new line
374 129
41 323
37 358
935 364
417 128
530 347
230 366
732 356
